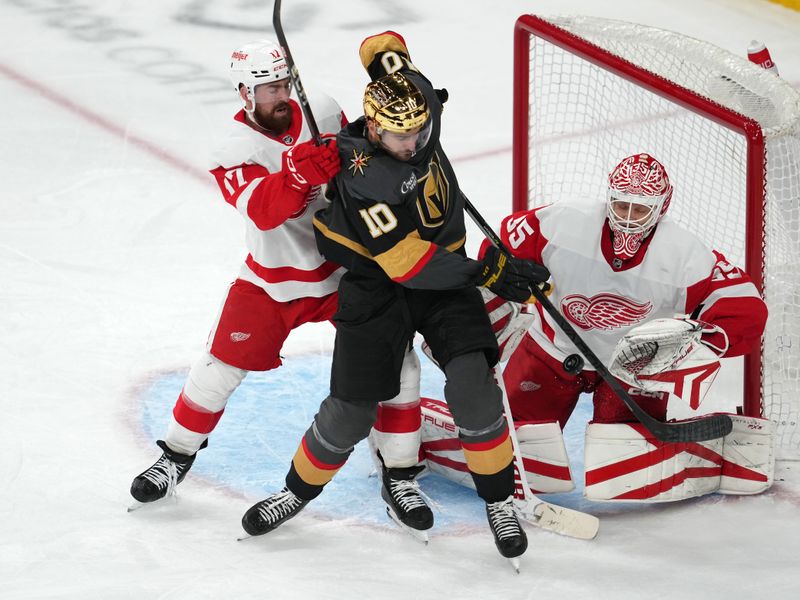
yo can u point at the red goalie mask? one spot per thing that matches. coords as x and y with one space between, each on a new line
639 192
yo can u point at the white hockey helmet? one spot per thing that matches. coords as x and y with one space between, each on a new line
638 180
258 62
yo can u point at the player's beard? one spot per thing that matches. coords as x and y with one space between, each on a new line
277 119
403 155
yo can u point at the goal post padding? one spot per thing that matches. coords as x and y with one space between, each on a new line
589 91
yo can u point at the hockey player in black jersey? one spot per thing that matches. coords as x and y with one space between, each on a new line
397 224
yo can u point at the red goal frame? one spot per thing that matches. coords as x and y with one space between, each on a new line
531 25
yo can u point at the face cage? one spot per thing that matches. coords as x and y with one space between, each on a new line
629 226
423 136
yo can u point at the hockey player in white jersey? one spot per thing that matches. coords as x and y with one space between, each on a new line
624 274
273 173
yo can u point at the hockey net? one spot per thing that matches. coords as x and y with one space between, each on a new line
590 91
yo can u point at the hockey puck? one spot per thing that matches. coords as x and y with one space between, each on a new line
573 364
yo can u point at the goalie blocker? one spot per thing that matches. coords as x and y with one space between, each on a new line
623 461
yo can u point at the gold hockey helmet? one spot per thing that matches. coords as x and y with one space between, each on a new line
396 104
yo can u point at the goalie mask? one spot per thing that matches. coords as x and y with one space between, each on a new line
400 112
639 192
256 63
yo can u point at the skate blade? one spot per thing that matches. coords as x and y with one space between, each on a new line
136 505
514 564
417 534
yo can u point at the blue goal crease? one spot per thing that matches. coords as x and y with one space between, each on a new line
250 450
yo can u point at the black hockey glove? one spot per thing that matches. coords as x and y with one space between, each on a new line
510 278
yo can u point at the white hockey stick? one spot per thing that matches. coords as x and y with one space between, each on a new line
534 510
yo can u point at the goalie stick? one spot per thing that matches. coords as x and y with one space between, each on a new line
692 430
534 510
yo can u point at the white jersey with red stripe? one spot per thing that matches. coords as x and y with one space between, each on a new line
603 297
283 258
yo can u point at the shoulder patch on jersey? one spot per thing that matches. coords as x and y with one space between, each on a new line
382 180
358 162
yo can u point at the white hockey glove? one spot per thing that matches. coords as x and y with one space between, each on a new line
668 355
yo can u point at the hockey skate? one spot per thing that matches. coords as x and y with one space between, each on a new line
509 537
159 481
404 502
268 514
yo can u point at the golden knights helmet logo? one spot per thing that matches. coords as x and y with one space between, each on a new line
433 193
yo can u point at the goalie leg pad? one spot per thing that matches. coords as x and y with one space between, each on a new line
396 433
625 462
440 444
541 445
748 453
545 457
509 322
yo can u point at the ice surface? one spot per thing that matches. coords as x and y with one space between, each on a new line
115 251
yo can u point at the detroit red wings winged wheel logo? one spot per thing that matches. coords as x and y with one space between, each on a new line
603 311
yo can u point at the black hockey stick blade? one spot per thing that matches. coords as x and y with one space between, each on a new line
694 430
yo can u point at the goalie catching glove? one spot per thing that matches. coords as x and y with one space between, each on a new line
509 277
669 355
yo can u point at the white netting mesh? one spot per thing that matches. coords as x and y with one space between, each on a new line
584 119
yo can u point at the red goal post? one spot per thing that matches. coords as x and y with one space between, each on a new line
589 91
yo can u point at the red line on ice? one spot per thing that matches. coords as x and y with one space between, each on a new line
105 124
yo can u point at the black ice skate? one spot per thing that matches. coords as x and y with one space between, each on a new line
159 481
509 537
404 502
268 514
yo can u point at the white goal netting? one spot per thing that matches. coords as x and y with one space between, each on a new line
742 199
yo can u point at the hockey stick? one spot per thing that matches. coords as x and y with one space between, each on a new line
693 430
294 74
534 510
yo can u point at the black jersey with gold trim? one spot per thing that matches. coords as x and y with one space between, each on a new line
398 219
